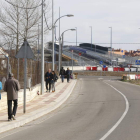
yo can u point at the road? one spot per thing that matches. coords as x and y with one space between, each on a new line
94 108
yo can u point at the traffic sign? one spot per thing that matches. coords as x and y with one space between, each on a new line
122 51
136 61
25 51
80 54
104 66
101 62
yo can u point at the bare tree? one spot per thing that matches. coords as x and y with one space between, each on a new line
19 20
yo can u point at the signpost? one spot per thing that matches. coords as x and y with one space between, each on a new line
129 68
101 62
137 63
72 61
26 53
104 68
80 58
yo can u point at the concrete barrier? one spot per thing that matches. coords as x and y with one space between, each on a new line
115 69
94 68
88 68
99 68
105 69
110 68
138 69
121 69
127 69
133 69
30 95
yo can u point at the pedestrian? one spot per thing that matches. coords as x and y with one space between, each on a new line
54 78
0 89
62 73
12 87
68 75
48 80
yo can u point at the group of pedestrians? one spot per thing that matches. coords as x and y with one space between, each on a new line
64 73
50 78
12 87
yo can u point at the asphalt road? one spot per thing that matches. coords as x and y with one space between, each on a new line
92 110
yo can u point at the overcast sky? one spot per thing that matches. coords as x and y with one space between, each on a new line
122 15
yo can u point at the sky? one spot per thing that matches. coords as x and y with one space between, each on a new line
122 15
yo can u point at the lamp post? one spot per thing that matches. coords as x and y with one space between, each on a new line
111 44
53 26
62 36
76 36
91 37
42 50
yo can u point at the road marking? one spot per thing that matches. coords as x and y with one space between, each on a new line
122 117
100 78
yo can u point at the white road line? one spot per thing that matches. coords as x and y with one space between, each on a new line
122 117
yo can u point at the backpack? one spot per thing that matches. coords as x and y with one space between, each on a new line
56 78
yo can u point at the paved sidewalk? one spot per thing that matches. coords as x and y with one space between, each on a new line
39 106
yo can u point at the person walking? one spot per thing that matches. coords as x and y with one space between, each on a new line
48 80
62 73
54 78
0 89
68 75
12 87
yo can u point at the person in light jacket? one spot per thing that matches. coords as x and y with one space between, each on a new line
12 87
0 89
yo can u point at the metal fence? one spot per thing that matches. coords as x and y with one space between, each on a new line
33 70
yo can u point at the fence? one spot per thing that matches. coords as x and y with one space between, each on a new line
33 70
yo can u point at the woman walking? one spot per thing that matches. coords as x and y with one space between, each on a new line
68 75
53 80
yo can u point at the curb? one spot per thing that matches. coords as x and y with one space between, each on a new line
41 112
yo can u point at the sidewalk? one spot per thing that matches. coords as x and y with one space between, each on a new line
38 107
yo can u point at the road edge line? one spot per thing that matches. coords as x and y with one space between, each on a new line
122 117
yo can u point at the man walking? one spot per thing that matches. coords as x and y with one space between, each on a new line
48 79
68 75
12 87
62 73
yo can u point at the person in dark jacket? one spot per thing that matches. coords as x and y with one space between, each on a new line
62 73
53 80
12 87
68 75
48 80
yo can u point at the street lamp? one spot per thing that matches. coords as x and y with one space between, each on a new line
76 36
111 44
53 25
62 36
91 37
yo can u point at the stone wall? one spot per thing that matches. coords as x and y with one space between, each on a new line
30 95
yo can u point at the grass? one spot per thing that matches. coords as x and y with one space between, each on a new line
136 82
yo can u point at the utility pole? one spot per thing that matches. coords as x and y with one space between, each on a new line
59 44
111 43
52 37
42 51
91 37
76 36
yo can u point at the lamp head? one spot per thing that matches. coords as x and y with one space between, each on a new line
72 29
69 15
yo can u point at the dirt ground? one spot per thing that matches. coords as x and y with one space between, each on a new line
92 73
